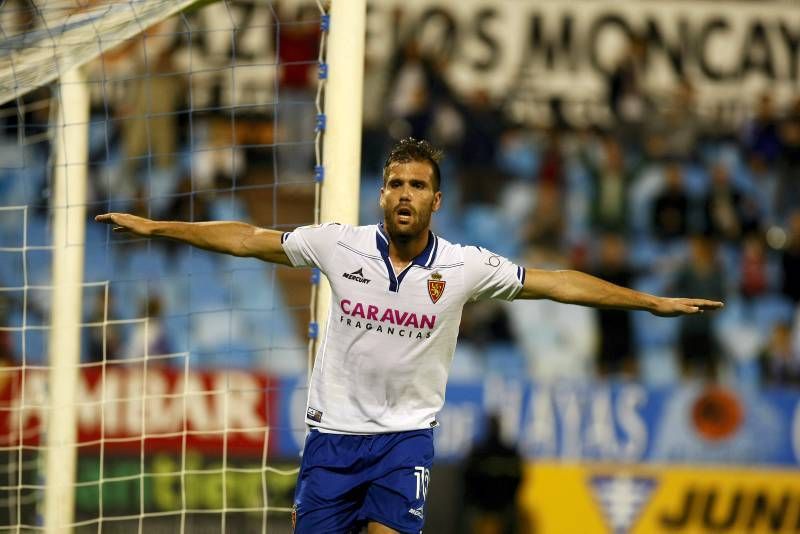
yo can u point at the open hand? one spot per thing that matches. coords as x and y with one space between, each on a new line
125 222
672 307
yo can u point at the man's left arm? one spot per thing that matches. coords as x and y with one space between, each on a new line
575 287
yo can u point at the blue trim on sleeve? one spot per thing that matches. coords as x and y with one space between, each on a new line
284 236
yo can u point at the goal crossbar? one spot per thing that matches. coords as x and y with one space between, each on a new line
30 60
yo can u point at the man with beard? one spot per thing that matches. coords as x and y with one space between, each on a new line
380 372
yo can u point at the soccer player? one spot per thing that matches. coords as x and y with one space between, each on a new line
380 372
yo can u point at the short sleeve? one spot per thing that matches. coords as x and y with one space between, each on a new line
491 276
311 246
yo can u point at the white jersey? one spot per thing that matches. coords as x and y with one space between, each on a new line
384 358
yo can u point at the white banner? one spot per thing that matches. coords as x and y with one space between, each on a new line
530 50
523 52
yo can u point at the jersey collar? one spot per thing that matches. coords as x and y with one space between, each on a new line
423 259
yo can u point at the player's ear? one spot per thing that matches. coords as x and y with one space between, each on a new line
437 201
380 198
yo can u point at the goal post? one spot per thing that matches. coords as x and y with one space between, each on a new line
71 151
343 107
70 39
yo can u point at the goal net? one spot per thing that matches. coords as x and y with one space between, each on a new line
188 387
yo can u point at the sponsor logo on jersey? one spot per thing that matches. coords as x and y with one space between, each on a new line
621 498
314 414
436 287
416 512
386 315
357 276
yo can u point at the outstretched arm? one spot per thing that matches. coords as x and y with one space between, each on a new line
234 238
575 287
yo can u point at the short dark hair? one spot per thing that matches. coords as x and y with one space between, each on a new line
410 149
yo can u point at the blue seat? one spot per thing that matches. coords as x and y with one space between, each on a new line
208 292
486 228
12 225
11 269
98 263
39 230
252 284
144 262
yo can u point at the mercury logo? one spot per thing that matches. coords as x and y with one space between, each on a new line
357 276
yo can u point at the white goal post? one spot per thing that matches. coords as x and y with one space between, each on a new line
71 149
343 106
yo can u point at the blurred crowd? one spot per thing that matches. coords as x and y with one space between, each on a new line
655 198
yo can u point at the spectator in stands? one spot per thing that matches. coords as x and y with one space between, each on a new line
411 104
492 475
424 105
727 214
790 259
552 165
484 323
671 205
149 335
483 126
679 123
615 352
374 138
754 280
610 179
298 52
545 228
760 135
778 363
788 194
219 161
148 119
627 96
765 190
103 340
702 274
187 205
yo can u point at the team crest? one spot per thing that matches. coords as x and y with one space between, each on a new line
436 287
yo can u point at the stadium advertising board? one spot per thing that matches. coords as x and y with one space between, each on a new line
216 409
597 498
619 422
627 422
199 480
656 460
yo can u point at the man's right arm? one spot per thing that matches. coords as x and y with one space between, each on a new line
234 238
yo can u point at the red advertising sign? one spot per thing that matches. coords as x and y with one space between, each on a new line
126 408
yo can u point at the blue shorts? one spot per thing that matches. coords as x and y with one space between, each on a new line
347 481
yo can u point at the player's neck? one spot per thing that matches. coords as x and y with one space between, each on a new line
403 249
